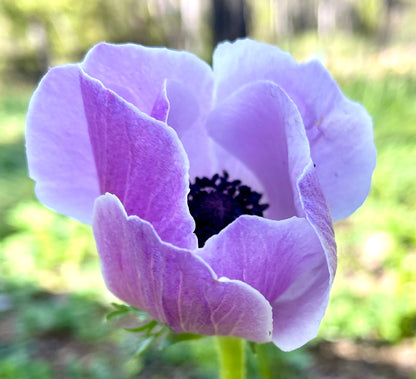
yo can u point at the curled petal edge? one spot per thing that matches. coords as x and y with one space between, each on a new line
173 285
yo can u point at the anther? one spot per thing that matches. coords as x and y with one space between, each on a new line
216 202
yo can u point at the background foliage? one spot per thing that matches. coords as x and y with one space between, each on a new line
52 299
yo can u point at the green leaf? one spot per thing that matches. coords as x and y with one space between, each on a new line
149 326
121 309
144 345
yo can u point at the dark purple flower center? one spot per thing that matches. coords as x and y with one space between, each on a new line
214 203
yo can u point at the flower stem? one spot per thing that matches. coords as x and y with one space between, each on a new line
232 358
263 362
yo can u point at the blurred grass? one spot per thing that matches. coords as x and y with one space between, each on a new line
44 255
15 186
375 290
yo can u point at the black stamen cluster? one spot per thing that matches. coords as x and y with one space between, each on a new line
214 203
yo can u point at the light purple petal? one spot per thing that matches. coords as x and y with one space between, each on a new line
157 80
138 73
297 314
283 260
245 61
188 119
140 160
173 285
339 130
340 133
205 155
316 210
296 303
261 126
161 106
58 149
292 262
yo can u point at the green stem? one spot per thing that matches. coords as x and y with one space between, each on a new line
232 357
263 361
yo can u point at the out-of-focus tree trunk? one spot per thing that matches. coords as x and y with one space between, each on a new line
39 37
326 15
230 19
386 26
284 19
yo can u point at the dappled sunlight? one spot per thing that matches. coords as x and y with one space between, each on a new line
49 249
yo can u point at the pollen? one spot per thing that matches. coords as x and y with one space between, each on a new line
216 202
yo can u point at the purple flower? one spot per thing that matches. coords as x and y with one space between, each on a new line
134 128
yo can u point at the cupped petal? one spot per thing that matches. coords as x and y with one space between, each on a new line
59 154
340 134
159 80
319 277
262 127
339 130
205 155
138 73
244 61
285 261
141 160
173 285
187 117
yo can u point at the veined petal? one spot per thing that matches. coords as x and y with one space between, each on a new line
339 130
316 210
140 160
296 303
138 73
262 127
285 261
173 285
58 149
158 80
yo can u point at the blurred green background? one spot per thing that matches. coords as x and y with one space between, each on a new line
52 298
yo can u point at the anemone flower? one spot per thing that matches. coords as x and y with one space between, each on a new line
211 192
